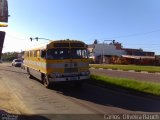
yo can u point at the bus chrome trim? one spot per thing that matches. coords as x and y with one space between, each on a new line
79 78
57 65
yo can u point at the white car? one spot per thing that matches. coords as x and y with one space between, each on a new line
22 66
17 62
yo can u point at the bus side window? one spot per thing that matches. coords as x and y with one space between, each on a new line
43 53
38 53
35 53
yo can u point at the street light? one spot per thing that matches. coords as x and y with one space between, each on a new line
102 56
37 38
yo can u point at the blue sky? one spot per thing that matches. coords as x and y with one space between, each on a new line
134 23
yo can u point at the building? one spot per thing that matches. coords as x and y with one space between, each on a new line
114 53
2 36
3 11
3 18
102 53
138 56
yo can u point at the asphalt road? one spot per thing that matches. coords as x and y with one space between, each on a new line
150 77
66 102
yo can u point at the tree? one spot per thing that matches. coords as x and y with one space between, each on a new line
9 56
95 41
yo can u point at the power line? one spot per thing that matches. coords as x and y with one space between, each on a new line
135 34
142 45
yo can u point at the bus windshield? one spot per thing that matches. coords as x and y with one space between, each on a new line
66 53
77 53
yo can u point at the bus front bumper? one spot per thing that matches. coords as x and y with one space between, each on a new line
76 78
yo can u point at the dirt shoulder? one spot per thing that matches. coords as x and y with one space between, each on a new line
9 101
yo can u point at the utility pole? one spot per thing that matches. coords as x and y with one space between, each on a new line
102 56
2 36
3 18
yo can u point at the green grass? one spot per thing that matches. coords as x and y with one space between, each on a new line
141 86
138 68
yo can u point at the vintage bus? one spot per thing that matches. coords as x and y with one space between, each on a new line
58 61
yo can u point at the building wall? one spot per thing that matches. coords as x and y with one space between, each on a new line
138 52
107 49
2 36
3 11
114 53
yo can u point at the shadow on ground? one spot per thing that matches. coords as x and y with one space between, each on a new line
7 116
107 97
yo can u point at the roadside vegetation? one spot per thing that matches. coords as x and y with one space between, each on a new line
131 84
9 56
137 68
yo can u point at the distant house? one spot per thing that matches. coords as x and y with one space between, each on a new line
114 53
20 55
138 56
102 53
157 60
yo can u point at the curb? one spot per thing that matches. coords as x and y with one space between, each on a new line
136 71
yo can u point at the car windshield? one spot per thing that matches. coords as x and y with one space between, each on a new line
17 60
66 53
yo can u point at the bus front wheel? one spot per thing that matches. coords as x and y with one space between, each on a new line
30 76
45 81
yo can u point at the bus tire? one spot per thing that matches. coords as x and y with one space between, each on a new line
45 81
28 70
30 76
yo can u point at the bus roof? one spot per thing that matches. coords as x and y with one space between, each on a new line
50 44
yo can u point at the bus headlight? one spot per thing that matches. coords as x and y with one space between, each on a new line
55 75
85 73
58 75
52 75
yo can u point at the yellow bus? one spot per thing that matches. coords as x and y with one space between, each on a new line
58 61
